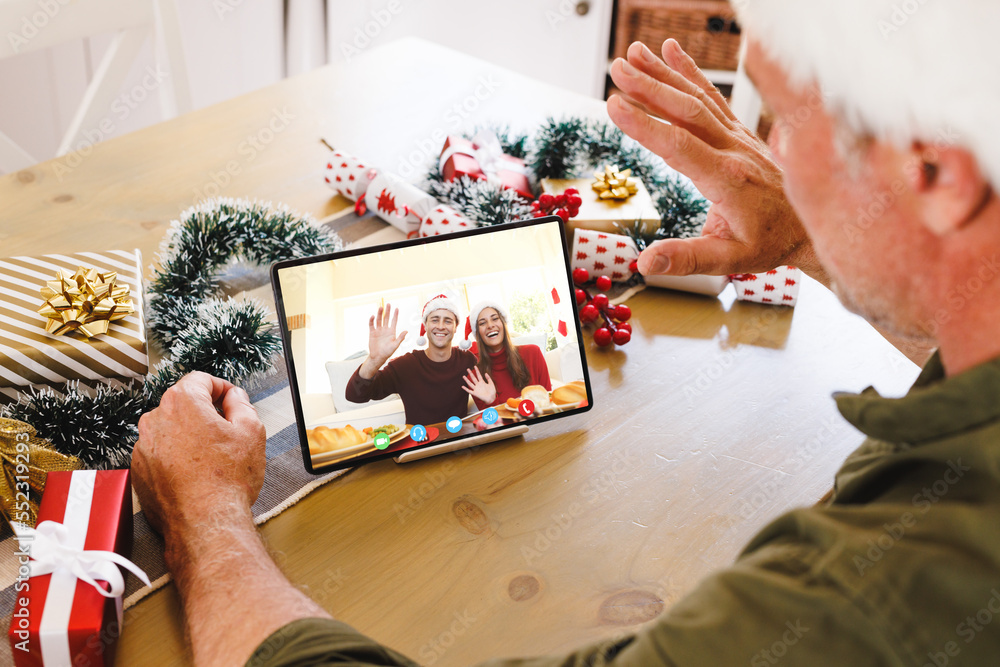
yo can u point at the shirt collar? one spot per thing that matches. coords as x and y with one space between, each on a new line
935 407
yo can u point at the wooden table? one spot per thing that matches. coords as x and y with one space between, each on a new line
714 419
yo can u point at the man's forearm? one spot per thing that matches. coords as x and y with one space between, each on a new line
369 367
234 595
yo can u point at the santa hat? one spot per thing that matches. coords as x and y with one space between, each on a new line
474 316
901 71
439 302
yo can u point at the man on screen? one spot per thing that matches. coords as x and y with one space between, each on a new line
430 382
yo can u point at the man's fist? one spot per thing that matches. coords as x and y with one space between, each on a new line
203 446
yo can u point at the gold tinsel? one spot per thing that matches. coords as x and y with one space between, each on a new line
87 301
614 184
26 460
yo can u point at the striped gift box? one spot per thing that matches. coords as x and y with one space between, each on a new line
29 356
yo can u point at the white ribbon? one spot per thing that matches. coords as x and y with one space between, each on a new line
52 550
488 153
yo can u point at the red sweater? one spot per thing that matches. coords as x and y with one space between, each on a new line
431 390
538 371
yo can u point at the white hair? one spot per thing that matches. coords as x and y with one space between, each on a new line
899 70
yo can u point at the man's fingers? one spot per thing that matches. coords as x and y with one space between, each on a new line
395 319
677 59
678 147
666 102
709 255
236 407
646 61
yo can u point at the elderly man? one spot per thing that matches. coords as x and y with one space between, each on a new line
888 160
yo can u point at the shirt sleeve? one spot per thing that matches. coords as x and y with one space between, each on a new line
383 383
533 357
770 607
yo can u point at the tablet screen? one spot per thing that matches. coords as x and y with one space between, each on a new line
420 343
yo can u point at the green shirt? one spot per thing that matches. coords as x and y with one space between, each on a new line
902 567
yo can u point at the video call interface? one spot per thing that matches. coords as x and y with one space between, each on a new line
408 347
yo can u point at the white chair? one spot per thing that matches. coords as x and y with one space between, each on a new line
31 25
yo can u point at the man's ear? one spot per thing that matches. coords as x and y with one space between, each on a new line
949 186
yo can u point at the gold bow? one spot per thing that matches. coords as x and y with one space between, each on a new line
87 301
614 184
26 460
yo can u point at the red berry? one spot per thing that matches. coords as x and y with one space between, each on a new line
625 326
560 200
603 283
581 296
622 312
546 200
574 200
603 336
600 301
573 211
588 313
621 337
580 275
564 214
571 191
633 266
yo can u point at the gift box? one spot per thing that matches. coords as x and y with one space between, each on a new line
31 355
68 608
482 158
602 214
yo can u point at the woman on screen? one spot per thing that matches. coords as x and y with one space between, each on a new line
507 367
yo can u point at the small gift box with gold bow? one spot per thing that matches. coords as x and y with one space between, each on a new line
71 317
612 196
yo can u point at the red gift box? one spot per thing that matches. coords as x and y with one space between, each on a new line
483 159
59 618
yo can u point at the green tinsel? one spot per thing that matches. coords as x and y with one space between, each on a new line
573 148
197 329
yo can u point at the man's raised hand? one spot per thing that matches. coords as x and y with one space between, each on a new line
382 338
751 226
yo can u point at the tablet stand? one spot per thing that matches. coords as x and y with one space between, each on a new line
465 443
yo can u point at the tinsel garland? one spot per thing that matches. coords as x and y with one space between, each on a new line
574 148
196 327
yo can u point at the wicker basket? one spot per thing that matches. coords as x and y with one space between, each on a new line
706 29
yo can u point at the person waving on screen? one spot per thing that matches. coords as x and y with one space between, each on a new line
502 369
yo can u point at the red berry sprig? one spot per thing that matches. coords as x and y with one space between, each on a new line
566 205
614 326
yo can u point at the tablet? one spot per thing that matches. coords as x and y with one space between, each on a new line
429 344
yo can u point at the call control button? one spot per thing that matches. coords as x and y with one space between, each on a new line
490 416
418 433
526 408
454 424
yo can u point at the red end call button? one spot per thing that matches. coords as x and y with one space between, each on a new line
526 408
